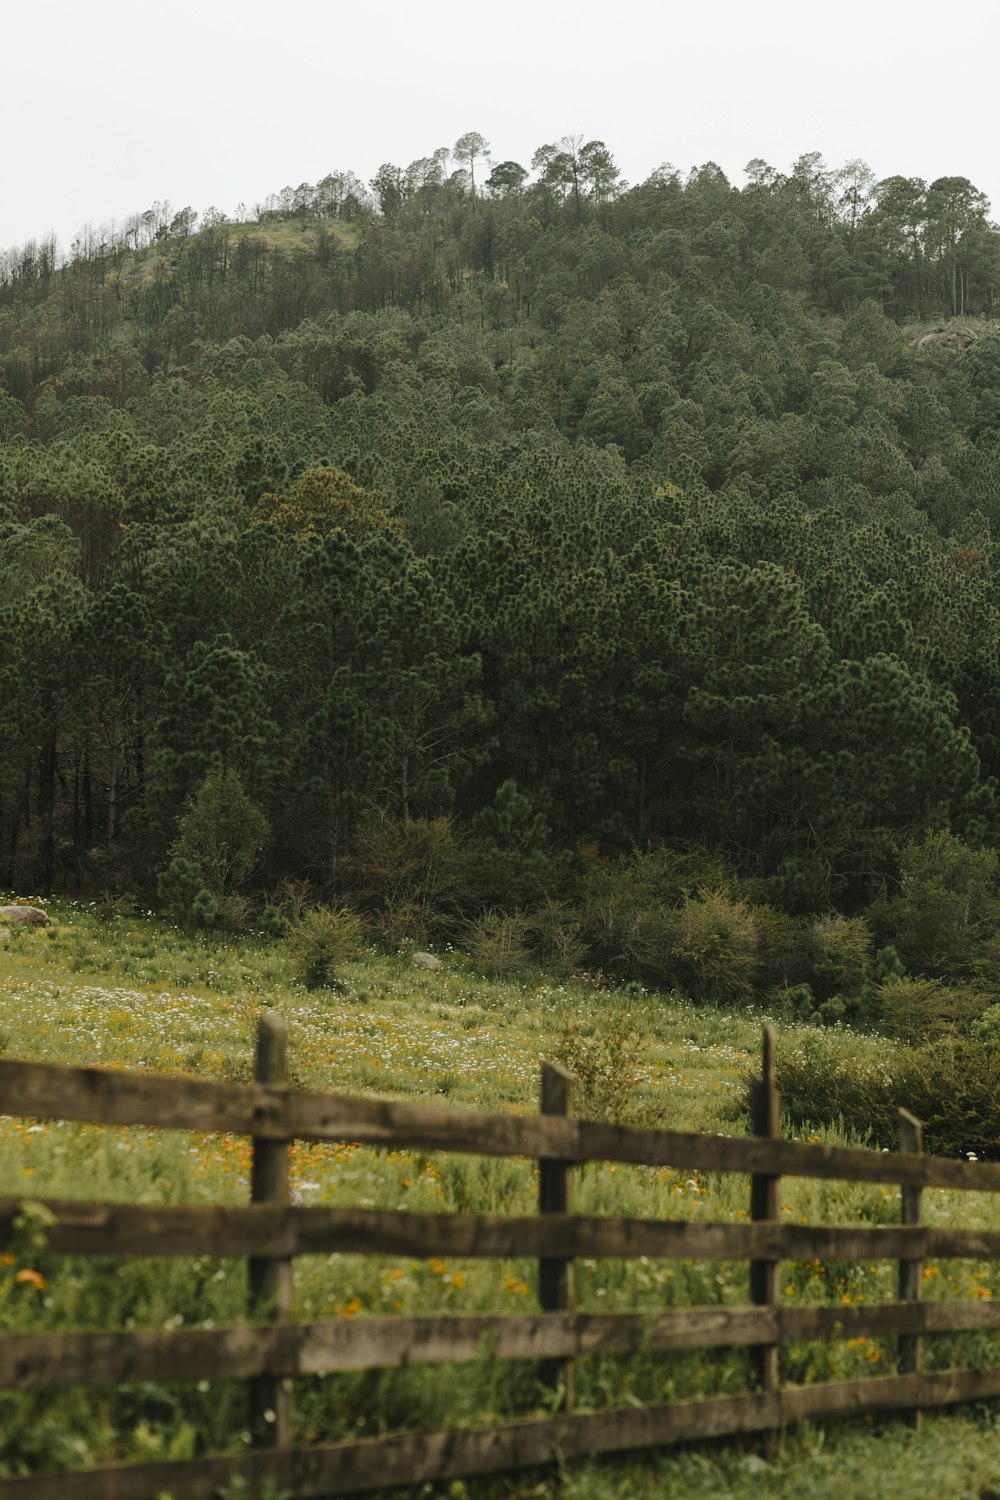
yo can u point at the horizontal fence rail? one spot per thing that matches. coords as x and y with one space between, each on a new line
83 1228
376 1463
104 1096
269 1353
38 1360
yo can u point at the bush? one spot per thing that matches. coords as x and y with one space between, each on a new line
222 832
325 937
498 943
779 949
558 936
837 951
920 1010
944 919
425 861
627 908
604 1061
951 1086
715 947
184 895
407 924
273 922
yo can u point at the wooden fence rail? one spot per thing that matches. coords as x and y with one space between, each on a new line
271 1231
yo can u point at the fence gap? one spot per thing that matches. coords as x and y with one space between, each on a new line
270 1280
911 1272
556 1292
766 1121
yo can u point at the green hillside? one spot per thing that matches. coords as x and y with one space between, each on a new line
611 567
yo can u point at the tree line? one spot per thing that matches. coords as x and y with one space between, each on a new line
553 519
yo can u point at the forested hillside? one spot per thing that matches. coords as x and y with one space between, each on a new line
479 534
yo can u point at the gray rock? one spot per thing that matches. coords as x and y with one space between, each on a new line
426 961
23 916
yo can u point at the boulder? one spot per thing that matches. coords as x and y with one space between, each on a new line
426 961
947 338
23 916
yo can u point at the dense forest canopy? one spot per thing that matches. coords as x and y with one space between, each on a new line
520 509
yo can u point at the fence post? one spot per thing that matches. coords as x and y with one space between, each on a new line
766 1120
270 1280
555 1276
911 1272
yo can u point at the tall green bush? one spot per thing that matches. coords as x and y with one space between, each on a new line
714 949
222 832
945 916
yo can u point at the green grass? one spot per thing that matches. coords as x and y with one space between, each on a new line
136 993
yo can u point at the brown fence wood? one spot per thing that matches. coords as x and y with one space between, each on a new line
271 1232
352 1468
766 1121
84 1228
37 1360
103 1096
911 1139
555 1276
270 1279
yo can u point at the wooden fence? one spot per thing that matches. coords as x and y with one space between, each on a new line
271 1231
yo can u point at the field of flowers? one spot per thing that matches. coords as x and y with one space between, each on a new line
134 993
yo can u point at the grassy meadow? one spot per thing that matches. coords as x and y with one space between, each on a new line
133 992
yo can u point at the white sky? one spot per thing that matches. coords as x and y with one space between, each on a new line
213 102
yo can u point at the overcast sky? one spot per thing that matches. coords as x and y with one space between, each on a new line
213 102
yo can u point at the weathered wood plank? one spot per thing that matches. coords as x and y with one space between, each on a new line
108 1096
45 1091
38 1360
766 1122
269 1281
556 1277
352 1468
911 1138
89 1228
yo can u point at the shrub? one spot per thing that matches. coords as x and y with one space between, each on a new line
407 924
986 1028
498 943
780 961
715 947
273 922
222 832
837 951
943 920
627 908
950 1085
324 937
558 936
427 861
604 1061
919 1009
184 895
515 867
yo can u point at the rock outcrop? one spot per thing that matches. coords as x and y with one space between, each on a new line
23 916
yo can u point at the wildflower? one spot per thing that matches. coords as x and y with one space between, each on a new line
33 1278
515 1286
